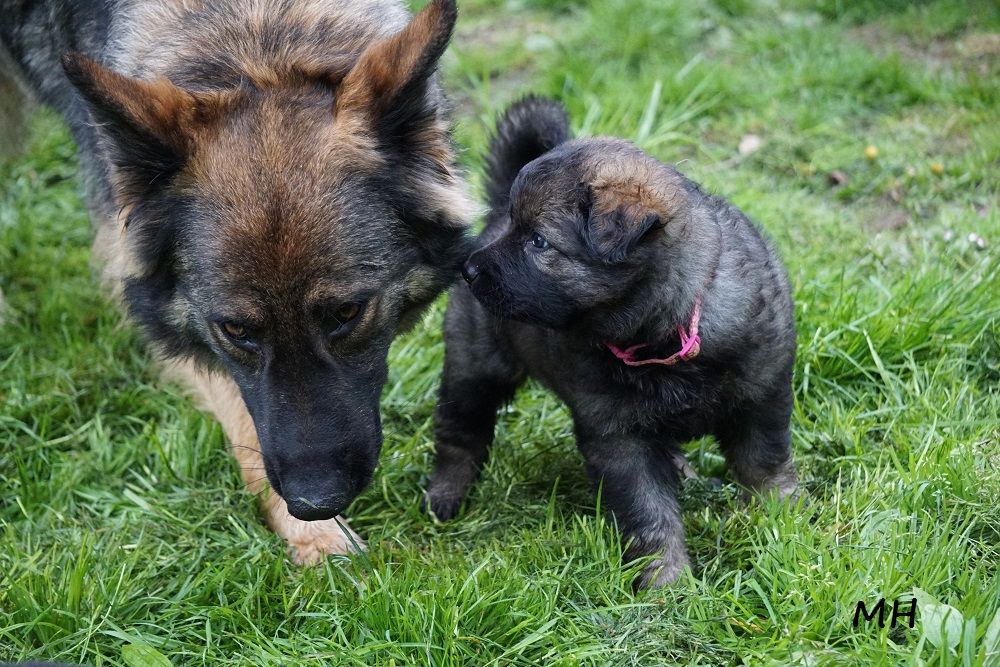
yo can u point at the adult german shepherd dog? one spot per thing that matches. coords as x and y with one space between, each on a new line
273 188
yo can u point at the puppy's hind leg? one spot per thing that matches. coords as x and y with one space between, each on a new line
640 480
758 450
309 541
476 381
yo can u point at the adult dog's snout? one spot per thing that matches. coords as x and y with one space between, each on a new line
319 431
315 490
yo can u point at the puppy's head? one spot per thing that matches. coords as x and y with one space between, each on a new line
586 221
285 230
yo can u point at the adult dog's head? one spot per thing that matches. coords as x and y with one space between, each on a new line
588 222
287 226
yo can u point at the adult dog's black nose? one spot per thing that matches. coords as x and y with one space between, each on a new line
312 509
470 271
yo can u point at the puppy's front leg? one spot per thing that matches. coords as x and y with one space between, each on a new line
309 541
640 481
463 432
477 379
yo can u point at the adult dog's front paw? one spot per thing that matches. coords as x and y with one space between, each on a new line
315 540
309 542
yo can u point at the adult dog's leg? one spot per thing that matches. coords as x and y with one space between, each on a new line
309 541
639 481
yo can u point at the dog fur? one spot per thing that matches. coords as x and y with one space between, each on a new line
273 190
628 249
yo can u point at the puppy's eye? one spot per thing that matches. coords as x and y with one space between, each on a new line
239 336
538 241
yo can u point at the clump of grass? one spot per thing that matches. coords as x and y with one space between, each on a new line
125 528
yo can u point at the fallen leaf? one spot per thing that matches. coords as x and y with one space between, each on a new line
750 143
896 191
991 643
837 178
144 655
941 623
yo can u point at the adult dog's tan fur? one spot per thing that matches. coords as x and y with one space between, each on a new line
263 166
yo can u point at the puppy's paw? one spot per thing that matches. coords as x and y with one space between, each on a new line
783 485
444 507
662 572
684 468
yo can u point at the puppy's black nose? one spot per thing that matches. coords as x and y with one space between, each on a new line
471 270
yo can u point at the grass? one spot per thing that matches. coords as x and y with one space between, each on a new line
125 535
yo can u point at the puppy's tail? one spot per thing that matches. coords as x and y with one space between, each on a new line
527 130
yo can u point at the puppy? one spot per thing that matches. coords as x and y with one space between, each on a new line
658 313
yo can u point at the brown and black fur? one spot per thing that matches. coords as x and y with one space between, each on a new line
627 247
274 196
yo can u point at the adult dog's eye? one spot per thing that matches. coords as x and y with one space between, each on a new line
346 316
238 336
347 312
538 241
234 330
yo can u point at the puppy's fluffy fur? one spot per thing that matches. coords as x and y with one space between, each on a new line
589 243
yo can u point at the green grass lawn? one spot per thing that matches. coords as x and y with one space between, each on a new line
124 523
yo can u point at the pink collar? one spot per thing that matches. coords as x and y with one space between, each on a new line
690 345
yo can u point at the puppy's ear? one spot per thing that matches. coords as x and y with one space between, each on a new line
615 221
148 125
387 87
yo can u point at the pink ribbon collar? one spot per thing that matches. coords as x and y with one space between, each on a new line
690 344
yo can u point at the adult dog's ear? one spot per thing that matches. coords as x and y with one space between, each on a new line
616 221
148 126
389 95
387 87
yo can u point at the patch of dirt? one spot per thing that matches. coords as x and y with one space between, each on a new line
886 215
531 33
977 51
491 35
980 45
503 87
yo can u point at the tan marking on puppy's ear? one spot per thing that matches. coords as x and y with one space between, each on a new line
640 186
626 199
156 108
389 67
